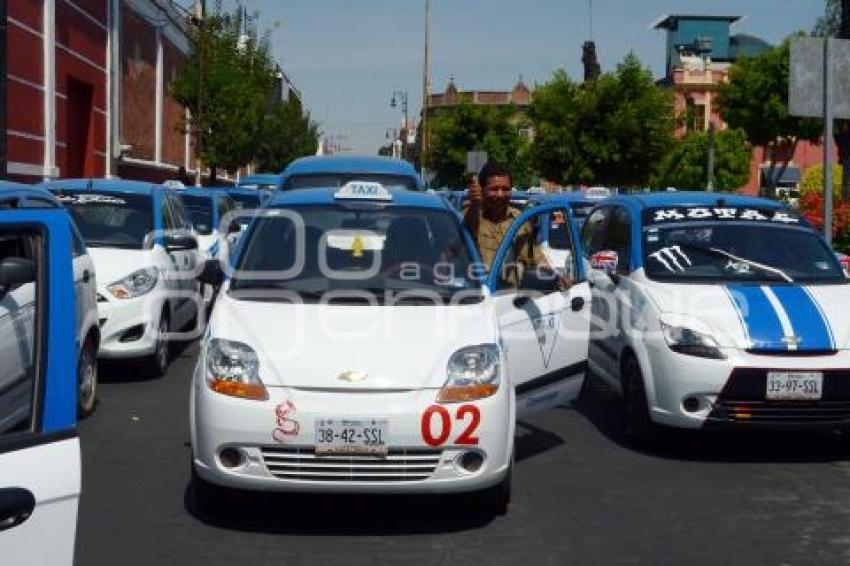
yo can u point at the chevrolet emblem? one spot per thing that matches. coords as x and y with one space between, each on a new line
352 376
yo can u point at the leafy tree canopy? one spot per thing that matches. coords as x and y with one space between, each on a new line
610 131
288 133
685 166
476 128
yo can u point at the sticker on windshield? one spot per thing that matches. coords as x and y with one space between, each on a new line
355 242
672 258
88 198
701 213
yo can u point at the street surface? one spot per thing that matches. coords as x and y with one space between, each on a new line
580 497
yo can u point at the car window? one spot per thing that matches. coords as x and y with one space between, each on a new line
19 298
528 255
618 235
178 211
120 220
168 221
593 234
78 246
200 210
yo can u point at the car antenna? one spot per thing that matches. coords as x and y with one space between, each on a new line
90 184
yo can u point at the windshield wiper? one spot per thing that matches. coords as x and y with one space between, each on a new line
760 266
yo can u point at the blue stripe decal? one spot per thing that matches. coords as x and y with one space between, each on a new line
807 318
761 322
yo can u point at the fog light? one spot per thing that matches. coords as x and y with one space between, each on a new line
133 334
230 458
691 404
471 461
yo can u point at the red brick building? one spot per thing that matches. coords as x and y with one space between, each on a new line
84 89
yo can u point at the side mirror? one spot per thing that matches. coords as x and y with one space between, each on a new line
14 272
180 242
212 273
540 279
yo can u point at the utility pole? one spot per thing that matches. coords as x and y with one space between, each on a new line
199 129
827 142
426 85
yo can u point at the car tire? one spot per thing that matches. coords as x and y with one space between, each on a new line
157 365
87 379
497 499
638 428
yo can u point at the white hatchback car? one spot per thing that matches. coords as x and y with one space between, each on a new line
360 347
145 253
715 310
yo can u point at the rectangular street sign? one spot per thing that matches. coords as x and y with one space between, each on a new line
806 84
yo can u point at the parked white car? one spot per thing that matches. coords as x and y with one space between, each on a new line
145 254
361 347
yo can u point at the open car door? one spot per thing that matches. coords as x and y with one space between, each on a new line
543 309
39 448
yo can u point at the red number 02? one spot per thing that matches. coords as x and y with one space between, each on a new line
467 437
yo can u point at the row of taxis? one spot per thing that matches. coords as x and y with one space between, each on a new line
358 344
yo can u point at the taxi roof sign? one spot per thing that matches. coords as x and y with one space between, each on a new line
363 190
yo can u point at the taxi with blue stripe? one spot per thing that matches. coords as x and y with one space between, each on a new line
717 310
358 344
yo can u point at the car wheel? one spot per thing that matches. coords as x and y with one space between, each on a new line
638 426
158 364
497 499
87 380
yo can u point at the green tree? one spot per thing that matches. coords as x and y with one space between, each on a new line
684 167
287 134
476 128
610 131
755 99
238 75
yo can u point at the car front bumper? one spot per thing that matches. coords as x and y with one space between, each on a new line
732 392
128 327
280 456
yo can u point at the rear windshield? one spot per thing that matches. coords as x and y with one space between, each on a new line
336 180
200 211
113 220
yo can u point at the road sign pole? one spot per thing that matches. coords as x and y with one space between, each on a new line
827 143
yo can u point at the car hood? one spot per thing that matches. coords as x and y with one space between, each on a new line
768 318
112 264
380 347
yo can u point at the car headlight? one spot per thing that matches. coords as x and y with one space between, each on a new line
136 284
691 342
473 373
233 369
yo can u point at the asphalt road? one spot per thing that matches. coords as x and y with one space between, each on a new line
580 497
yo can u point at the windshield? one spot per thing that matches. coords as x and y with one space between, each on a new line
336 180
738 252
371 249
113 220
246 200
200 211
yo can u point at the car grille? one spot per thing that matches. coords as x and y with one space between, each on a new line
743 400
302 463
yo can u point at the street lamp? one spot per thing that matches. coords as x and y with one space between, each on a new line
401 96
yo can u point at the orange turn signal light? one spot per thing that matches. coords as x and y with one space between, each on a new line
459 394
253 391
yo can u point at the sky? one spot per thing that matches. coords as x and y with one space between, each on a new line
347 57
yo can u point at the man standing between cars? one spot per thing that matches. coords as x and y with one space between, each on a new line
488 214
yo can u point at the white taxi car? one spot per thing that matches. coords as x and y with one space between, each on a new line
717 310
145 252
359 346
